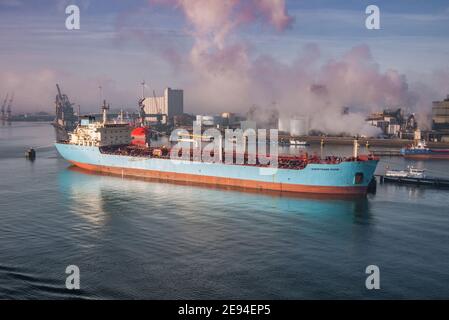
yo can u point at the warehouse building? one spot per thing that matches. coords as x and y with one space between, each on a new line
440 115
170 104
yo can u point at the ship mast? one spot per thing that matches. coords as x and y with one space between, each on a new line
142 105
105 109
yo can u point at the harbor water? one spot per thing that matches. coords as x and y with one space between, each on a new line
133 238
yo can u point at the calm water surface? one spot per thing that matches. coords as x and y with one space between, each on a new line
140 239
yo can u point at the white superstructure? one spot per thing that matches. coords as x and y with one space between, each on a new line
91 133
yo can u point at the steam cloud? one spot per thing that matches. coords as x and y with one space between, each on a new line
222 71
226 76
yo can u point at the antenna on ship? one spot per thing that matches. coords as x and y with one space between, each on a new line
105 109
101 92
143 89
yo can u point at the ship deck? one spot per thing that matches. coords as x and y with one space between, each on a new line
291 162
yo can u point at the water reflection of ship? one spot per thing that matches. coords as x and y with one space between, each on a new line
65 120
101 200
87 196
359 202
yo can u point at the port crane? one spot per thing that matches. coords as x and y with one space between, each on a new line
65 116
3 115
142 105
63 105
65 120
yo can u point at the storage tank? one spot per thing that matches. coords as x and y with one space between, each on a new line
299 126
284 124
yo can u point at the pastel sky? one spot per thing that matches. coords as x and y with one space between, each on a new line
207 47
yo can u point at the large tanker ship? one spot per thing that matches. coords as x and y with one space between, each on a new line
117 148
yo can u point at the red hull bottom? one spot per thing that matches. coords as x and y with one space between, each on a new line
239 183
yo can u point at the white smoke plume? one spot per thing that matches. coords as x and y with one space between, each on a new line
225 75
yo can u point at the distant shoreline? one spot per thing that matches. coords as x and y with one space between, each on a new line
35 118
373 142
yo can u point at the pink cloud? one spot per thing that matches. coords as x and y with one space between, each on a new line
225 75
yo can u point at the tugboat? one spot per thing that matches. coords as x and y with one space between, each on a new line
422 152
30 154
419 150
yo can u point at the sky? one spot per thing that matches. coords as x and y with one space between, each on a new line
301 57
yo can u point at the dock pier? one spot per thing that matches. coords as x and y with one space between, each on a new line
428 181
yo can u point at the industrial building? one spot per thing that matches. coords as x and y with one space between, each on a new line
440 116
207 121
170 104
295 126
440 121
394 123
225 120
230 120
183 120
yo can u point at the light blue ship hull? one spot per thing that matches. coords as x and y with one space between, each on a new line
314 178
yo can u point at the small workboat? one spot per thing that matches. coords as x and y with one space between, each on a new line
421 151
410 172
298 143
